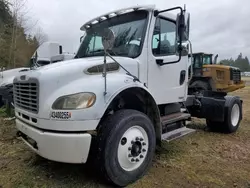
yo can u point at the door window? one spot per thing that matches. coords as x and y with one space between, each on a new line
164 38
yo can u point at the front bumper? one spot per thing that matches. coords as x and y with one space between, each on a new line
55 146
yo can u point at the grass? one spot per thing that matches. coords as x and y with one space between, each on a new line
6 112
204 159
246 78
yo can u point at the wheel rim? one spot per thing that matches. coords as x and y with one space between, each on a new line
235 115
133 148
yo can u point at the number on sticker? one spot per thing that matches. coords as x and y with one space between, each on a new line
61 115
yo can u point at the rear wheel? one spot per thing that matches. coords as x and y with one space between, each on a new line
126 145
233 116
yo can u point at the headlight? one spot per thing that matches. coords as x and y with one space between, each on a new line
74 101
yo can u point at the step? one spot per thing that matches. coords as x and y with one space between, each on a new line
172 118
175 134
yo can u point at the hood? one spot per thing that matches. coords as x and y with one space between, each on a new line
221 67
74 69
56 76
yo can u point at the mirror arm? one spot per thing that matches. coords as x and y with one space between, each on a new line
180 45
156 12
81 38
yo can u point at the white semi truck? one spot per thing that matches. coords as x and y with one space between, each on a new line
124 92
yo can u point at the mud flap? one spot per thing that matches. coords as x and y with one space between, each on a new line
212 108
207 107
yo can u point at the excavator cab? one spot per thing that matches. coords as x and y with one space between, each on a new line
200 59
210 76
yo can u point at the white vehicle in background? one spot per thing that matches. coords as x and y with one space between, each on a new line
124 92
47 53
245 73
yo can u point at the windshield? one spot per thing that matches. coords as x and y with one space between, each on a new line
207 60
129 30
196 61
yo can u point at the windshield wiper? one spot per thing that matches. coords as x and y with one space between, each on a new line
99 50
128 73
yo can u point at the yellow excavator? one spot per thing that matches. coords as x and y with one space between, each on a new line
210 76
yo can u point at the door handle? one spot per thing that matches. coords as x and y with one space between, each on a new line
159 61
182 76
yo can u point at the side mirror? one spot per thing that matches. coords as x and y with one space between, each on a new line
108 39
81 39
183 25
83 35
187 26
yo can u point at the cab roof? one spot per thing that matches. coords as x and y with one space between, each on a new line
123 11
201 53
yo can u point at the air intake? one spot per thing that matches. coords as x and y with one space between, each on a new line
98 69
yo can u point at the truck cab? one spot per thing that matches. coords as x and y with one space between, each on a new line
123 93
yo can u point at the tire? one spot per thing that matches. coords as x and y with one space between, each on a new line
233 117
116 150
200 86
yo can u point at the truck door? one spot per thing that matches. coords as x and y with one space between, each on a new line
168 83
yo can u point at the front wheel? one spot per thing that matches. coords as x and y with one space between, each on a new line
126 145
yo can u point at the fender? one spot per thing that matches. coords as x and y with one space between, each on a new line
155 117
120 85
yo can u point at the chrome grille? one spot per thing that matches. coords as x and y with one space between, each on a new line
26 95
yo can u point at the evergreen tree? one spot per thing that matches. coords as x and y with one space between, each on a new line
16 47
240 62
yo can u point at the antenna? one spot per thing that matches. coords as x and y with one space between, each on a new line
108 39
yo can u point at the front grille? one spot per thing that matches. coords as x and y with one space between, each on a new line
235 75
26 95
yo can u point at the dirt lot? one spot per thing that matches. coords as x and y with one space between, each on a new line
202 160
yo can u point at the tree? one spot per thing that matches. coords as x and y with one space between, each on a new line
240 62
247 60
16 44
5 31
40 36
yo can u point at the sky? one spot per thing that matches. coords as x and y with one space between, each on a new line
217 26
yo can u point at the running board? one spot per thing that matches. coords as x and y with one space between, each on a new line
175 134
172 118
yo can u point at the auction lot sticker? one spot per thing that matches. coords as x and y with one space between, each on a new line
60 115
